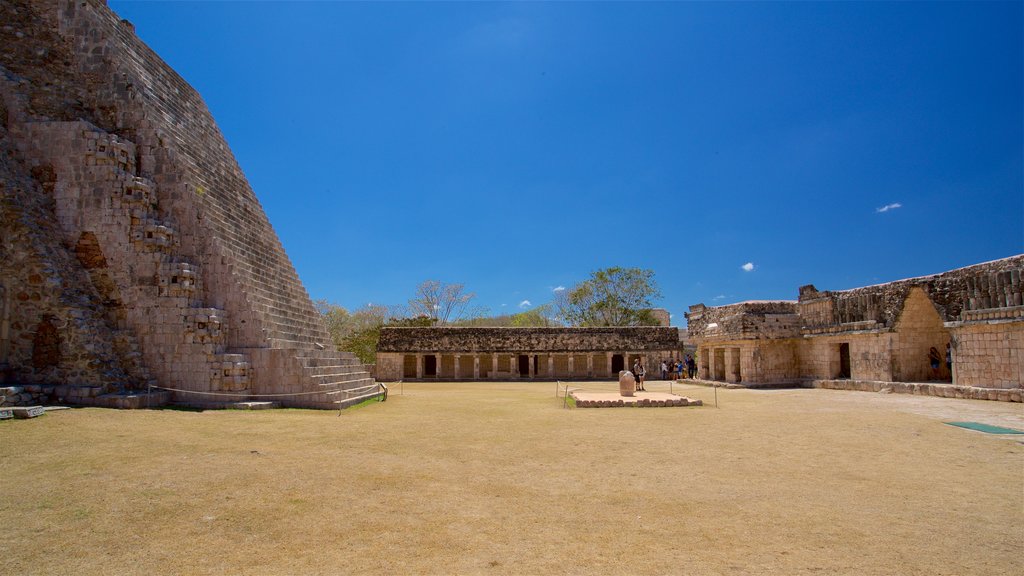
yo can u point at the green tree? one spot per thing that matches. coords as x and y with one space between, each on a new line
358 331
610 297
540 316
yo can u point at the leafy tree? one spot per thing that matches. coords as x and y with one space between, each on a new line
611 297
357 332
443 302
540 316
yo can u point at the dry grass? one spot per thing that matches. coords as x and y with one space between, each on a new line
499 479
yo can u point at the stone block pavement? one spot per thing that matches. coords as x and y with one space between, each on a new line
597 399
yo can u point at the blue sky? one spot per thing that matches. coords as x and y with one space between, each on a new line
516 147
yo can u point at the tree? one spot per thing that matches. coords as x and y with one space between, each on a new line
539 317
610 297
443 302
357 332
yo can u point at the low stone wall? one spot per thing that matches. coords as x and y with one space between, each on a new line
923 389
24 396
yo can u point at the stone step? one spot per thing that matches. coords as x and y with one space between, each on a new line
133 400
256 405
334 360
342 381
334 369
24 412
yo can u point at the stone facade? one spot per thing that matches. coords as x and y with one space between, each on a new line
521 353
876 334
134 253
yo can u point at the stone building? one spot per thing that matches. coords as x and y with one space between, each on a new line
866 337
134 251
453 353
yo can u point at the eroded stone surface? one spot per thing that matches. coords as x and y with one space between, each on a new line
866 337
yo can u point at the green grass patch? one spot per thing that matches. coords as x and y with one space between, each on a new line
367 402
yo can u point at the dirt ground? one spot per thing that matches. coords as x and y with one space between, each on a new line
498 478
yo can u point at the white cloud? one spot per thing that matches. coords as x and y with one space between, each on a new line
719 297
503 305
525 304
888 207
558 289
748 267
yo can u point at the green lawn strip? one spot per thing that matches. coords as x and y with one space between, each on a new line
986 428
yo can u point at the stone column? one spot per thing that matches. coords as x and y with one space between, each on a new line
419 366
457 373
530 361
572 362
551 365
590 365
608 359
476 367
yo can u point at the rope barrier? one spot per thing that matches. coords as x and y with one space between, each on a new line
349 391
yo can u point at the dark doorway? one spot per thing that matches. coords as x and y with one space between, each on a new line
618 364
524 366
844 360
430 366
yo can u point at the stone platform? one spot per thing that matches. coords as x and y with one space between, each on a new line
592 399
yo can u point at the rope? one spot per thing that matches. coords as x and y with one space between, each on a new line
349 391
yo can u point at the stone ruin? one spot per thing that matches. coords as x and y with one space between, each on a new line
133 251
462 353
877 337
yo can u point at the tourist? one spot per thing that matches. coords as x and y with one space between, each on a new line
639 371
949 360
679 370
664 370
934 359
691 366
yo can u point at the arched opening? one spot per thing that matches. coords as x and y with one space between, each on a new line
918 330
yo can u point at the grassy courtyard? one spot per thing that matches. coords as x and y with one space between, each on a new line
498 478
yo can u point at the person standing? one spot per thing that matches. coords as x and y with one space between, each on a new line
949 360
934 359
664 370
640 372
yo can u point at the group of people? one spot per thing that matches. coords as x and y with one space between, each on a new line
674 369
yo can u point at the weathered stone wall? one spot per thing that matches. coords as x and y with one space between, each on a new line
52 322
168 237
995 284
513 353
990 355
876 334
445 339
760 319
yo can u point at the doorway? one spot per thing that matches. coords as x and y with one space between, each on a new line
430 366
844 360
524 366
618 364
